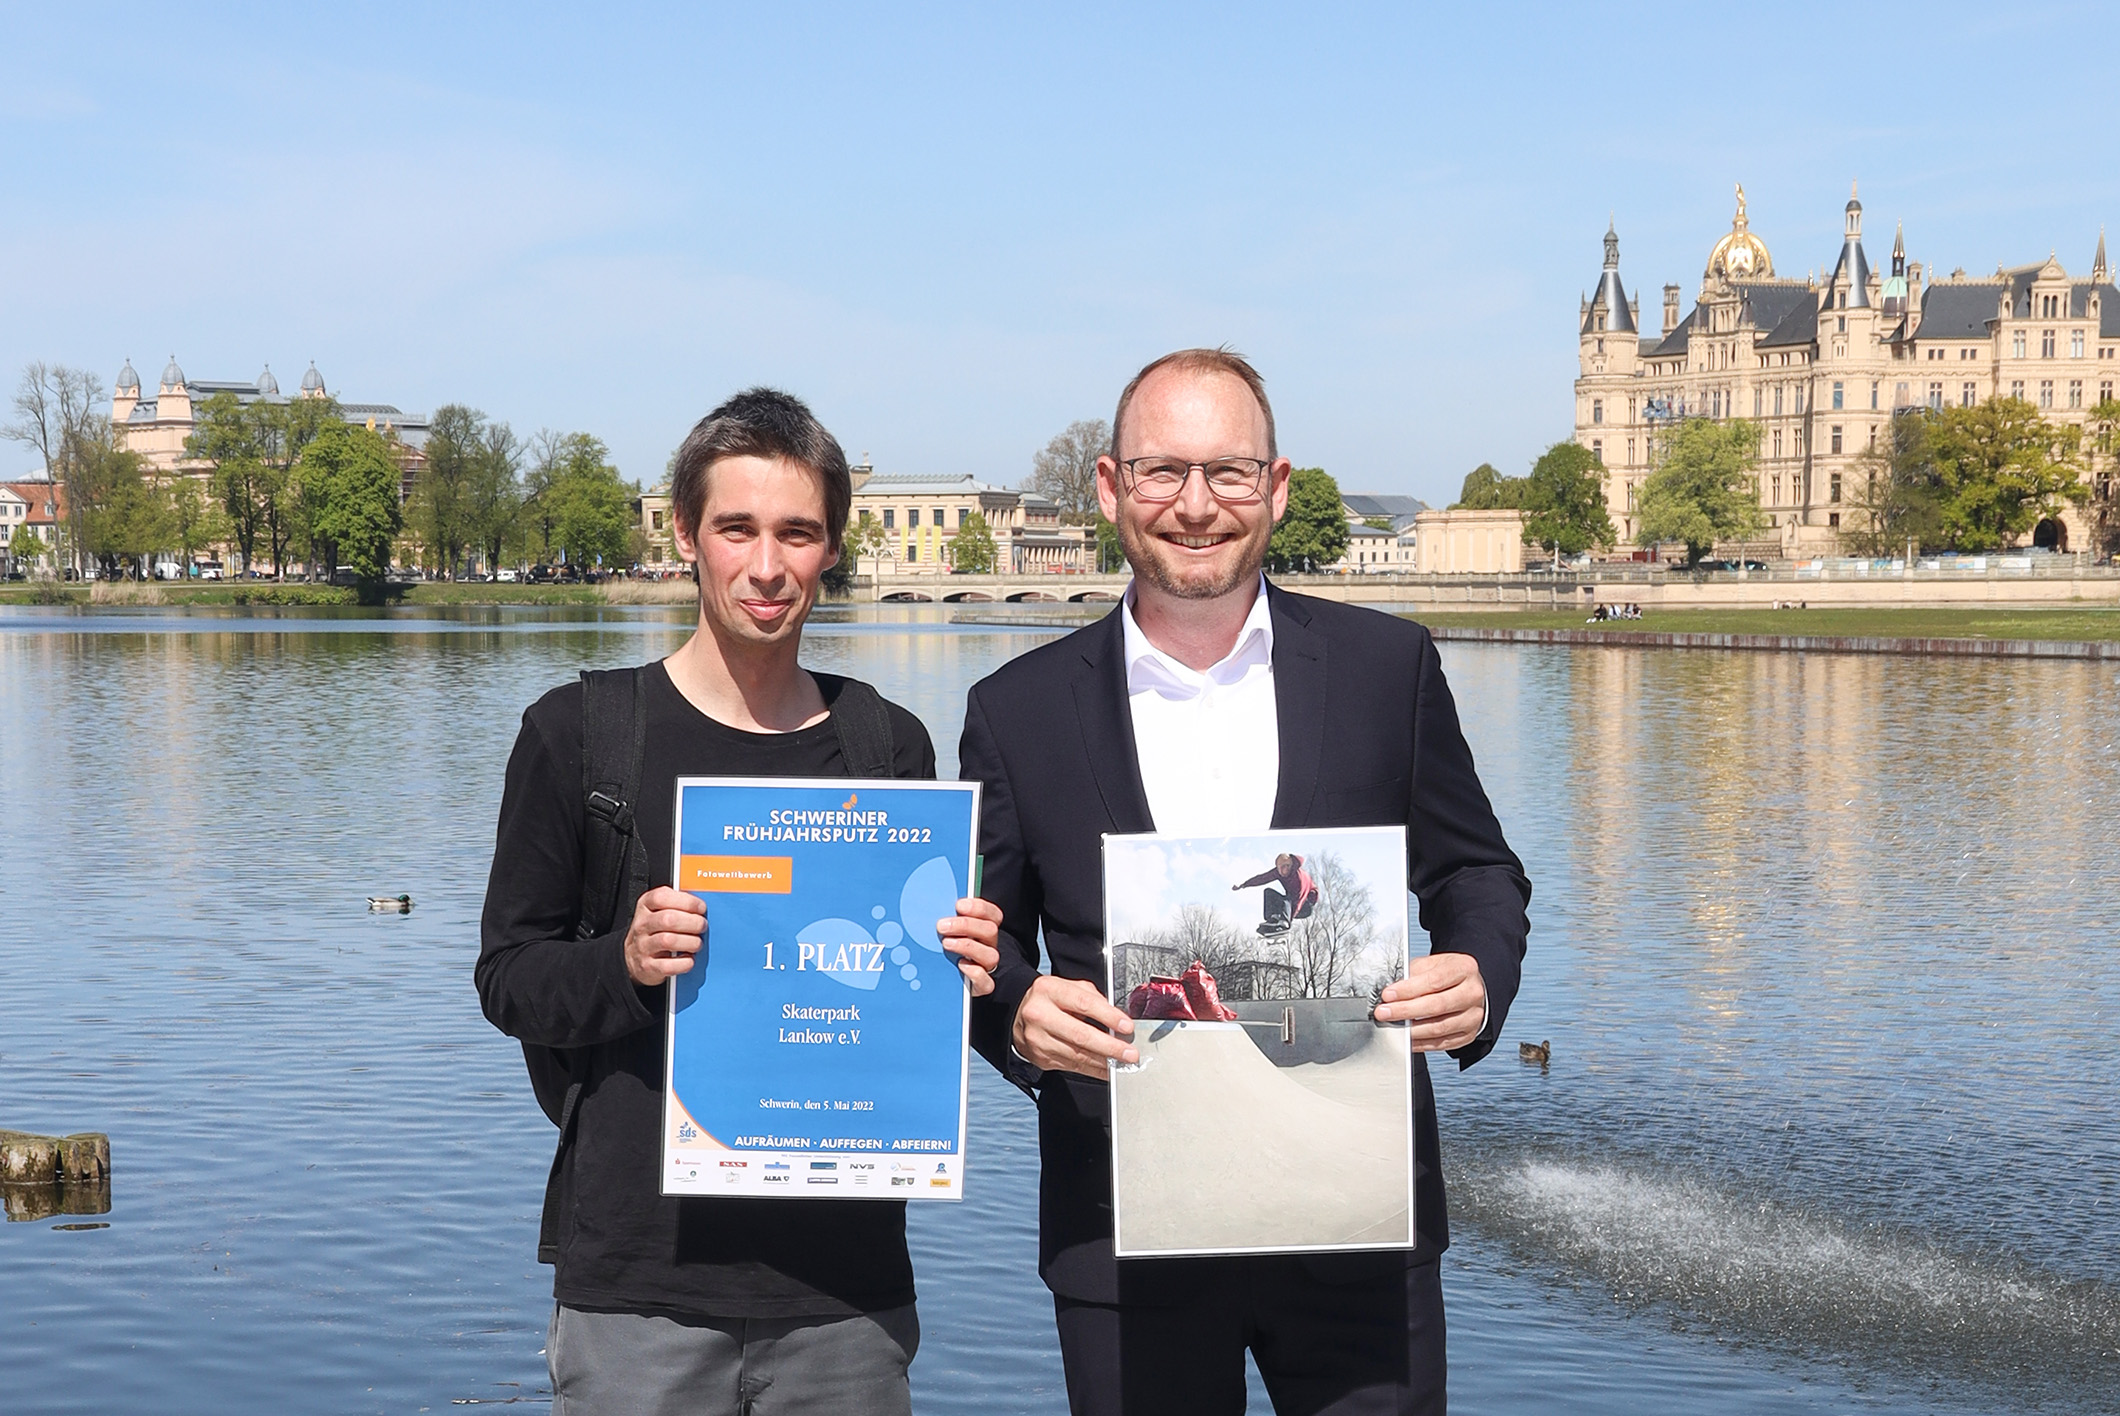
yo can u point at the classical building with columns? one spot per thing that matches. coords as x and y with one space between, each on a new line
1822 364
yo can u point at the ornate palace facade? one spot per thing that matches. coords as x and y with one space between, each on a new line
1821 365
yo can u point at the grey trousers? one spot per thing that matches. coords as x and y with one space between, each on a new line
631 1364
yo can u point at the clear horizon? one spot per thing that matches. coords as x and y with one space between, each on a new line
954 232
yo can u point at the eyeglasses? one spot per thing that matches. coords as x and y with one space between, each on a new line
1161 479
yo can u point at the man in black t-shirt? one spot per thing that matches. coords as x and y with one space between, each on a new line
700 1305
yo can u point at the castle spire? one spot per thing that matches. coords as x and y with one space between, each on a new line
2099 273
1851 274
1609 311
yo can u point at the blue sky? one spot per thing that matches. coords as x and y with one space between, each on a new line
954 230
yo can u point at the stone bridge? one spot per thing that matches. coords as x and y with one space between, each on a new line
1516 590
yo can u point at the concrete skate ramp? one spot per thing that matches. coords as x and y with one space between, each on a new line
1218 1148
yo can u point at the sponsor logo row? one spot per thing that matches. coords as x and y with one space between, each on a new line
904 1174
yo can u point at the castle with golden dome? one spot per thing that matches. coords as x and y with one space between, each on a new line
1820 366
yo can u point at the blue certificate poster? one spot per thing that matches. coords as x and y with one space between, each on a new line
818 1048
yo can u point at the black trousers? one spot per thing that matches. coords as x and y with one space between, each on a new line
1372 1346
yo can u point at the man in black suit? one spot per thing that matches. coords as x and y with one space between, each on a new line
1213 702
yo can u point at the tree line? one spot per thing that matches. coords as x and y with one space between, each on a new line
289 484
1945 479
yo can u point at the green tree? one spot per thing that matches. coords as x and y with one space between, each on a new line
226 437
972 548
1894 497
1563 501
590 509
353 480
537 519
2101 442
494 494
191 522
282 431
1111 551
863 537
444 492
124 520
1486 489
1998 468
1703 491
1312 533
25 545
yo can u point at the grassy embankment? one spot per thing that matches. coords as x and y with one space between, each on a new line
2073 623
269 593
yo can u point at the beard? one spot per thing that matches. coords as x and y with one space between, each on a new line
1144 554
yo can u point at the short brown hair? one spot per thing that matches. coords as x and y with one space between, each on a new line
1224 360
762 422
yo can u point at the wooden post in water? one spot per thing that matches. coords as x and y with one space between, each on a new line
45 1175
28 1160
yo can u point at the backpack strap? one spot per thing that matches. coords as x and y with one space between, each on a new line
864 728
614 874
614 740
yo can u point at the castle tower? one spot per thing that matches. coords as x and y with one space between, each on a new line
1609 311
2100 275
126 395
173 398
1608 396
1895 285
1849 289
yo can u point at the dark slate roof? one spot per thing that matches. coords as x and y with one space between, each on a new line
1788 310
1959 310
1772 303
1798 324
1674 342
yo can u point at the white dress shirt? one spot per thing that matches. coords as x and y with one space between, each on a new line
1209 744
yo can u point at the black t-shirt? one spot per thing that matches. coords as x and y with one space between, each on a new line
623 1245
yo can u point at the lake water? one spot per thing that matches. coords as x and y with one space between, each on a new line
1825 947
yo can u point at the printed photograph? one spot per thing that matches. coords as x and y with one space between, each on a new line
1269 1110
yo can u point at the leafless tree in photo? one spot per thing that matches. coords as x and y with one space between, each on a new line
1327 948
1206 935
1066 471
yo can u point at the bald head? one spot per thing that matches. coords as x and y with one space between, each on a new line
1199 376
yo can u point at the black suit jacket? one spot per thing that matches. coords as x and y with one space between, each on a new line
1369 736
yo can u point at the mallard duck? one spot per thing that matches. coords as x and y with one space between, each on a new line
390 904
1539 1052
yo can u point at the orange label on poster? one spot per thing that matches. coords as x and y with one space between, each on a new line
736 875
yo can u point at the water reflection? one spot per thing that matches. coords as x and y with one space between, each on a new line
1820 944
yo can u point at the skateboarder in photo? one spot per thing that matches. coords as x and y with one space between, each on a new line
1294 900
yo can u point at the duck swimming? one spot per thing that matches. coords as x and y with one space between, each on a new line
390 904
1539 1052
